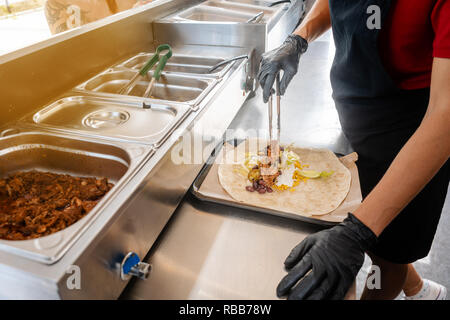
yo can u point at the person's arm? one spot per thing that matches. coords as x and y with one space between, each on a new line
287 56
141 3
63 15
418 161
316 22
327 262
55 12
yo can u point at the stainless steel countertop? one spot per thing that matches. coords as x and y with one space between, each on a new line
210 251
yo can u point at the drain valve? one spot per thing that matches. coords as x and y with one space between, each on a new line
133 266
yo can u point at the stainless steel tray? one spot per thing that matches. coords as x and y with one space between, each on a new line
171 88
185 64
68 154
249 8
208 14
263 3
126 120
206 187
230 12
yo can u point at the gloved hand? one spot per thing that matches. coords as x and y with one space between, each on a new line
286 58
334 257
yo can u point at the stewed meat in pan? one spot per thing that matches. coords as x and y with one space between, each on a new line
34 204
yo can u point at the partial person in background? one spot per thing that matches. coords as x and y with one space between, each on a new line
63 15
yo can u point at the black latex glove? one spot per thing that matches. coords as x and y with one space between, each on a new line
333 256
286 58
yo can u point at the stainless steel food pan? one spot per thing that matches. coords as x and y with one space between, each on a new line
264 3
250 8
127 120
211 14
169 89
183 64
69 155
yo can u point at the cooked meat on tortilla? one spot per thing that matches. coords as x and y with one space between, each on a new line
310 181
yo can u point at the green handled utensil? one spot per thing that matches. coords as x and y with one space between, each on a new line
156 58
161 64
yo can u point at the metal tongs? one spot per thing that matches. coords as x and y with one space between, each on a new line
227 61
256 18
274 140
146 68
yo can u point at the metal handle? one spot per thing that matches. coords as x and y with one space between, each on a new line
161 64
279 2
278 107
150 63
256 18
273 141
226 62
149 89
277 84
155 58
163 60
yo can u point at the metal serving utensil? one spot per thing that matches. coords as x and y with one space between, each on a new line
256 18
125 90
274 136
218 65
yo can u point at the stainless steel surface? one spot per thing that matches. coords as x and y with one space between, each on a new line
229 12
292 15
69 155
132 219
233 38
227 253
259 37
211 251
69 58
111 118
171 88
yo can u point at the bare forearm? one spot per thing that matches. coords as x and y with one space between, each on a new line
418 161
316 22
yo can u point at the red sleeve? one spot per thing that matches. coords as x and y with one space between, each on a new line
440 19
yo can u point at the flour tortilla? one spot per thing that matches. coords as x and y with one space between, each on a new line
313 197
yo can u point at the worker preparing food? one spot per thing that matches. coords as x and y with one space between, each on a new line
391 87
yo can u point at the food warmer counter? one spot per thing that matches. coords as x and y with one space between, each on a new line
61 112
